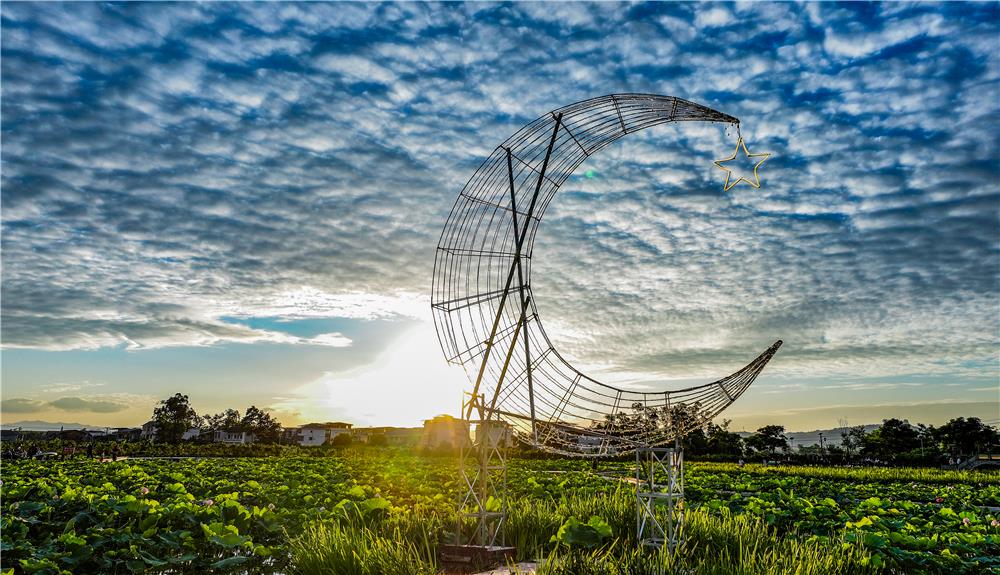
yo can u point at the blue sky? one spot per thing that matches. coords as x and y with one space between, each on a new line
241 202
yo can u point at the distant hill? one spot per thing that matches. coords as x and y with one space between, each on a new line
39 425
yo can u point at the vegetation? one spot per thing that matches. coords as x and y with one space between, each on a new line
386 511
896 441
262 425
173 416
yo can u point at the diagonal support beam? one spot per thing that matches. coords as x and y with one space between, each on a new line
515 266
524 300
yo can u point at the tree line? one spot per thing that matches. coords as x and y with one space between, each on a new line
174 416
896 441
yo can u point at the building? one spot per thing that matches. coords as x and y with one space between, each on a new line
445 431
232 437
403 436
148 431
398 436
589 443
126 433
289 435
70 435
312 434
497 433
10 434
368 434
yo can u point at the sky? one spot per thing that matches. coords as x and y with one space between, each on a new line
241 202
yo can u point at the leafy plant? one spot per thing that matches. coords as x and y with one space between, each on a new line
589 535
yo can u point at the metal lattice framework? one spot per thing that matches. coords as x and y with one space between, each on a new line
485 312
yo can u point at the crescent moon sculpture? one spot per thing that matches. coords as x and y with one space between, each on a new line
484 309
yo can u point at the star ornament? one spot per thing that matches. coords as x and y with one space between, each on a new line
729 172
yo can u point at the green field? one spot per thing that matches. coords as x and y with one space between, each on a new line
384 511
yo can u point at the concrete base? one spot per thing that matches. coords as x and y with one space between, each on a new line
475 558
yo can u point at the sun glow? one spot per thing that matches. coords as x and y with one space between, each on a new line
405 384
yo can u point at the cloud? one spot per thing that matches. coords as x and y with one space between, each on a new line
93 406
713 17
67 386
329 339
171 165
21 405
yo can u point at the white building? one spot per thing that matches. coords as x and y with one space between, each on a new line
233 437
313 434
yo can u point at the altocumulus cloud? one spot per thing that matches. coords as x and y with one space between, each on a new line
169 165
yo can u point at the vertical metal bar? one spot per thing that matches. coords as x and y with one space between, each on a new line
524 299
638 500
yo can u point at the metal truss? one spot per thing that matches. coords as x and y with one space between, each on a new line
659 496
483 468
484 309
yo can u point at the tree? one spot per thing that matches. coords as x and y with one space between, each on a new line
894 437
228 420
261 424
769 438
695 442
722 441
967 436
853 439
174 416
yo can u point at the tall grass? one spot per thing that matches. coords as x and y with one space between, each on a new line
717 545
714 544
356 549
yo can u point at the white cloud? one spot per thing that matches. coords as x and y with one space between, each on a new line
199 163
713 17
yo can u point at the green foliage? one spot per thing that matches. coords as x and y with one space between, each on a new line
160 515
895 436
264 427
589 535
173 416
769 438
966 436
391 508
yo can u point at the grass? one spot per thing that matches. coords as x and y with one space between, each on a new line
715 544
353 549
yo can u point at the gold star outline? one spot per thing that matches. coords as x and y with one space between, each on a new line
740 144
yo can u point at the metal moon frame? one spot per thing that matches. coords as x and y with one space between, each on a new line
484 310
